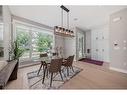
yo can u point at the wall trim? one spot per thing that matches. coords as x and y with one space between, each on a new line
117 69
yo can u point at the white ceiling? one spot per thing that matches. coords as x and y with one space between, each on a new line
88 16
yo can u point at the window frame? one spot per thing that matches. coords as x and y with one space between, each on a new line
31 28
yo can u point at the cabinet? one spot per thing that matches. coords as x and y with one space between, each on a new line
100 44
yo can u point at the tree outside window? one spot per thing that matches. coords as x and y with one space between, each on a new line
44 42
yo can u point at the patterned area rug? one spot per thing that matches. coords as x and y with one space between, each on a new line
35 81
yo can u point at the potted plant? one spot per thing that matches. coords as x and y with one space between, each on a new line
16 51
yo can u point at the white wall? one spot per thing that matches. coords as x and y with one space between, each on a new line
7 30
59 42
100 43
118 35
70 46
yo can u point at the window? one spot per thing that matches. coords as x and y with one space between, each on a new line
1 41
41 42
23 36
34 40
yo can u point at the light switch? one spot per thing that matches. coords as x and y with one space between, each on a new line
115 42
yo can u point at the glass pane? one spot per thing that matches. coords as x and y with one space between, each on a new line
34 41
80 45
1 35
23 37
41 42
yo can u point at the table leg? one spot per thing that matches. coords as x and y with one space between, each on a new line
44 74
39 69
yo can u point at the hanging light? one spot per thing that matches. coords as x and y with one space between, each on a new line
60 30
69 32
72 33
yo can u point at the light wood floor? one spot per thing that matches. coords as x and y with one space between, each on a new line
91 77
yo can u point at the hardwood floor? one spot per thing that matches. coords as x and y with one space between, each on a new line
91 77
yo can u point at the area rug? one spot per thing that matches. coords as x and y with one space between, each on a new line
35 81
96 62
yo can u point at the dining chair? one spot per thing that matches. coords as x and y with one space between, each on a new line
55 54
54 67
68 64
42 62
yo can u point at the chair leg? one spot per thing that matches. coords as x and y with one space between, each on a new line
47 73
40 69
51 79
63 72
43 67
44 75
61 75
67 71
72 68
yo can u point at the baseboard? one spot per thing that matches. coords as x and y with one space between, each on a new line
119 70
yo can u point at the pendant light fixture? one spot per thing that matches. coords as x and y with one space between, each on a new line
60 30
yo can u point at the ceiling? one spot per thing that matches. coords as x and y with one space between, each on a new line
87 16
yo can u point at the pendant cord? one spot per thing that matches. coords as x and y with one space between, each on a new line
61 17
68 20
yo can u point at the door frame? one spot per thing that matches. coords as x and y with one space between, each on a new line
77 43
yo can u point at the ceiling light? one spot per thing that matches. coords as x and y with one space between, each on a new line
60 30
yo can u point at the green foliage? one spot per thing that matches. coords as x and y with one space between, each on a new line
16 51
23 38
44 42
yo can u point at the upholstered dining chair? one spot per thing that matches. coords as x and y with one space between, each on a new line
42 62
68 64
54 67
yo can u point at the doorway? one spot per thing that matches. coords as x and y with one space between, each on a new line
80 45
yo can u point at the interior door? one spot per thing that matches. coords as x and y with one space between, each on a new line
80 45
